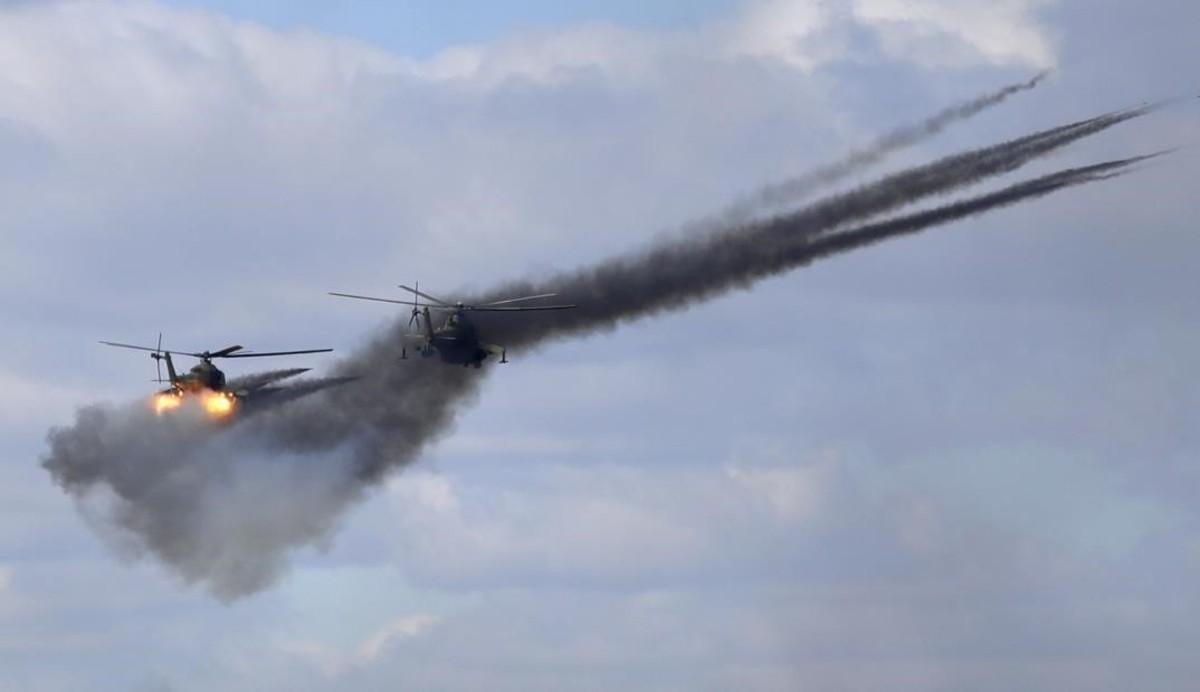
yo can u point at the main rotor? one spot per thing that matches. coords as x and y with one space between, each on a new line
208 356
158 353
434 303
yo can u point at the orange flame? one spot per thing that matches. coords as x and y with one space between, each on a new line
166 402
218 404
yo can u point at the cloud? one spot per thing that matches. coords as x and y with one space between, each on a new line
546 58
813 518
950 33
336 664
8 598
405 627
606 526
794 494
789 32
799 35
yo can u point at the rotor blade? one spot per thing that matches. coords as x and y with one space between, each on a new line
485 308
224 353
380 300
520 309
426 296
152 350
257 354
518 300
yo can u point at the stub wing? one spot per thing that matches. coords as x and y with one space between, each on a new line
265 398
495 350
252 383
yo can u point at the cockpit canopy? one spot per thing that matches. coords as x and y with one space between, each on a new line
207 375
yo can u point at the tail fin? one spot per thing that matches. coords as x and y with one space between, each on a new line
427 322
158 355
170 368
171 376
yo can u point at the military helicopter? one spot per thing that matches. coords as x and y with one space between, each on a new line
205 379
457 340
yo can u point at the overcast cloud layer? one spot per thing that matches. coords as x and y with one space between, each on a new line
963 460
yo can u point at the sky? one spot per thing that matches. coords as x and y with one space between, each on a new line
961 460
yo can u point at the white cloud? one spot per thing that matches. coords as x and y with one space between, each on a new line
547 59
405 627
800 35
336 663
954 32
8 600
795 495
608 524
163 71
782 30
177 65
426 491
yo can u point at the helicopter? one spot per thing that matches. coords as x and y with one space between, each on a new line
206 380
457 340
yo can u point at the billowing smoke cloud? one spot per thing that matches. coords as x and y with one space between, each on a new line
224 507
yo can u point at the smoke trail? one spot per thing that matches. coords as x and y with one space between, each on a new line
676 274
791 191
802 253
224 508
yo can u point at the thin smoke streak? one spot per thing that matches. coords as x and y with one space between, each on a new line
870 234
791 191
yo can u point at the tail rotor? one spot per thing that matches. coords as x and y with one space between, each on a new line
157 356
416 311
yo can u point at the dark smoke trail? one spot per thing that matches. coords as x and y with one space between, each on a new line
950 173
673 275
224 508
778 248
794 190
803 253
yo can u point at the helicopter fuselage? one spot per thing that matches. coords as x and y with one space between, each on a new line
457 341
201 376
